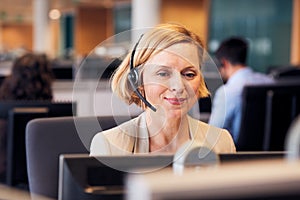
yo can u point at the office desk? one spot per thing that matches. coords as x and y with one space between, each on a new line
10 193
243 180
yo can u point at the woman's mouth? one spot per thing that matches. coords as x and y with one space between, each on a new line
175 101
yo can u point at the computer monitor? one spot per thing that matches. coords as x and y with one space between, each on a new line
16 114
225 158
85 177
16 172
56 109
88 178
267 113
63 69
284 72
93 67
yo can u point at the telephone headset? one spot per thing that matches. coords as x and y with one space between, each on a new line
133 78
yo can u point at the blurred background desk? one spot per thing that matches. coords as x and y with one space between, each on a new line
273 179
10 193
93 98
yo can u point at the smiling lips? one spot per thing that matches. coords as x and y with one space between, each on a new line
175 101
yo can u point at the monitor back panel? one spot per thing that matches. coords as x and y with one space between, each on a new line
267 113
85 177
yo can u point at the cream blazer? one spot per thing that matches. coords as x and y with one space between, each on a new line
132 137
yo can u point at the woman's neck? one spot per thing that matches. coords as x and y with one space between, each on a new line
167 134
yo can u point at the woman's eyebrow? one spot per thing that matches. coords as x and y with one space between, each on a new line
165 67
191 67
162 66
169 67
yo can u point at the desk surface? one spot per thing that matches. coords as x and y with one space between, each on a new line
10 193
234 180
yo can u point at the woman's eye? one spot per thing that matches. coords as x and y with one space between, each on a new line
189 75
163 74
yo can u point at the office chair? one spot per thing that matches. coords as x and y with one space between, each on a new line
48 138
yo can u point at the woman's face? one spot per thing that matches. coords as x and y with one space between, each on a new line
171 79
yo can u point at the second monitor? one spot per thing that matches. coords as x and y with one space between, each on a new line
88 178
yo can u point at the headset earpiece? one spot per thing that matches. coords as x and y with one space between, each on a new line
133 77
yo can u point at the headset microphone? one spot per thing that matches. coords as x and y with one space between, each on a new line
133 78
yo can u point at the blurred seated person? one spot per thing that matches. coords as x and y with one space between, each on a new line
30 79
162 74
231 59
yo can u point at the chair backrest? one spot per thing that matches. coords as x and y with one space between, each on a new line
267 113
48 138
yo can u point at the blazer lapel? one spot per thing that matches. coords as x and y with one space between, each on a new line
203 134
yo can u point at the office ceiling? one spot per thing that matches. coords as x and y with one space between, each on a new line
21 10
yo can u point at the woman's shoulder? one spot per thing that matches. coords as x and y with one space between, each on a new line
120 129
203 125
218 138
104 142
121 136
215 130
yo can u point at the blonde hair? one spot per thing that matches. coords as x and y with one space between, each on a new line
152 42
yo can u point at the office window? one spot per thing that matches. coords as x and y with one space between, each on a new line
67 34
122 19
266 23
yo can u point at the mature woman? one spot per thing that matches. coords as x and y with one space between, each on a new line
163 76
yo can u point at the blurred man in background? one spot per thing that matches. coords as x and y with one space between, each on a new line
231 59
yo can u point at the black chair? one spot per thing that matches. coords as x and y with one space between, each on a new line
48 138
267 113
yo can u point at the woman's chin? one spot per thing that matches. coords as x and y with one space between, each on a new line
171 111
175 113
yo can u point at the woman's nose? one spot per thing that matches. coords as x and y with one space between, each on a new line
176 83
